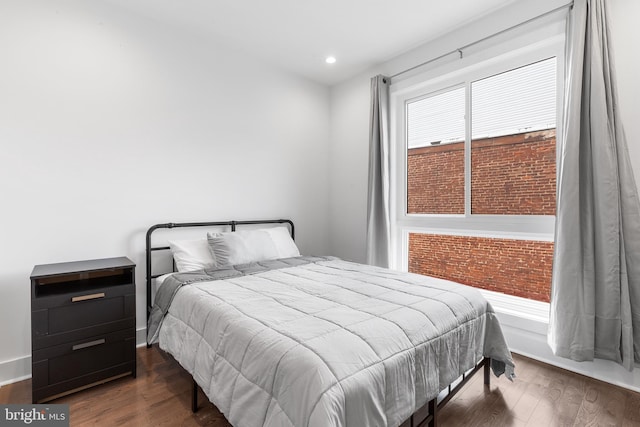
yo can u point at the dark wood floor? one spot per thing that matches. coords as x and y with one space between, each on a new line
541 396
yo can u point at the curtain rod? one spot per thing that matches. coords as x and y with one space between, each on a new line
460 49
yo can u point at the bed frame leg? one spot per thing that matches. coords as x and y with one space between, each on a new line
433 410
194 397
487 372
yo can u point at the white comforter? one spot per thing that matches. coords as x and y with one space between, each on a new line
329 343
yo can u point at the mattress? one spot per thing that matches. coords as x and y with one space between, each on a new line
323 342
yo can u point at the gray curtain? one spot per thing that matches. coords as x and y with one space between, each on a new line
595 296
378 219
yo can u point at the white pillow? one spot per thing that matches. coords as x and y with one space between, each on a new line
285 245
191 255
241 247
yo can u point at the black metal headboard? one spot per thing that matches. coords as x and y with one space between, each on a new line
231 224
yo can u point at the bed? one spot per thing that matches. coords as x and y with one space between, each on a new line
274 338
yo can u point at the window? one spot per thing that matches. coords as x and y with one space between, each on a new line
476 174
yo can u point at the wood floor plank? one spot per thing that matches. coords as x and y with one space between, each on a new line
603 405
542 415
632 409
526 406
569 401
541 396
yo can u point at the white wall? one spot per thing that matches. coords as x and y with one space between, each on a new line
110 123
349 147
349 163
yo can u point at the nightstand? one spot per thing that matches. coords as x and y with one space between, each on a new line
83 319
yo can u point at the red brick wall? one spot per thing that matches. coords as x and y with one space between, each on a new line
512 174
515 267
435 179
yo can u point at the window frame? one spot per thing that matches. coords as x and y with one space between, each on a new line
475 67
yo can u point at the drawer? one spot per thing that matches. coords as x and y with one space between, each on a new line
81 319
82 296
78 363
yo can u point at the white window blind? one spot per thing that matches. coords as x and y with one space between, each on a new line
436 119
516 101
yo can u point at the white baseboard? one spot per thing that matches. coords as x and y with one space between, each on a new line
141 337
14 370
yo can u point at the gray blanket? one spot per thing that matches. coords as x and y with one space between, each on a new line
322 342
173 283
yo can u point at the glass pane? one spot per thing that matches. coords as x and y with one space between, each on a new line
514 267
435 154
513 147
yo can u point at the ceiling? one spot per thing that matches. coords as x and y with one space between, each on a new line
299 34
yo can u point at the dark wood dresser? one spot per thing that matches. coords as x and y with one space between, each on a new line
83 320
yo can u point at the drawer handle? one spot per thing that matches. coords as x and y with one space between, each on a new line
87 297
88 344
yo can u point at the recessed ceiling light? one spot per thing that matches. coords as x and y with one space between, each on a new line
330 60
